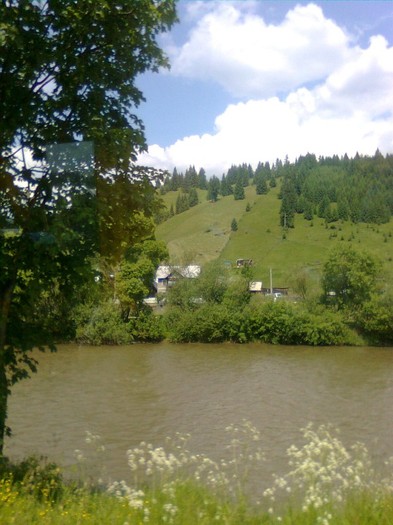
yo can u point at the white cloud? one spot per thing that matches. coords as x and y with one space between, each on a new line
349 109
363 84
269 129
236 48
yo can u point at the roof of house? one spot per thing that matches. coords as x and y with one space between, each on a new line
255 286
190 271
163 272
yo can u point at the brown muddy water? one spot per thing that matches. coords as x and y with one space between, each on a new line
149 392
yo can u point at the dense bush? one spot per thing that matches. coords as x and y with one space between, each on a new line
269 322
103 324
206 324
285 323
375 320
40 478
218 307
146 327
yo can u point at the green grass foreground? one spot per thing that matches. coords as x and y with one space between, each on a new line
327 483
191 505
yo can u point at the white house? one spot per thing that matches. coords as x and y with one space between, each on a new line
167 275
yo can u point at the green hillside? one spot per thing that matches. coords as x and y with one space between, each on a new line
200 233
203 233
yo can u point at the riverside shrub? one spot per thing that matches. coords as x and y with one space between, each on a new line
206 324
284 323
375 319
146 327
103 324
268 322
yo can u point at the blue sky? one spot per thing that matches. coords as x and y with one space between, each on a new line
256 80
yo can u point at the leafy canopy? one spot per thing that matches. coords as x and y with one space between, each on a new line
68 138
351 275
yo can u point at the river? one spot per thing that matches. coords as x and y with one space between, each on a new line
148 392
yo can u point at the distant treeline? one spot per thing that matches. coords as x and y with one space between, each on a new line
358 189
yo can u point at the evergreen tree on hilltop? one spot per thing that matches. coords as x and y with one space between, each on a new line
261 186
174 182
288 204
182 203
308 211
225 187
239 190
323 206
202 181
243 172
193 199
190 179
213 189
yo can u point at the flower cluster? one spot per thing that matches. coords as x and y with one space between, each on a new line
163 468
90 462
323 476
323 470
8 493
244 452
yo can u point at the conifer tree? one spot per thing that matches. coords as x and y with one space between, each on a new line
193 199
261 186
213 189
202 180
234 225
238 192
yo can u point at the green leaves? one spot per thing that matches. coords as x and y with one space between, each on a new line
375 319
68 69
349 277
67 75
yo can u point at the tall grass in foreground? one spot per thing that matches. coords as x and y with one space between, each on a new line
327 483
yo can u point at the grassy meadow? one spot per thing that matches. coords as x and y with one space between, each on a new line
203 233
327 483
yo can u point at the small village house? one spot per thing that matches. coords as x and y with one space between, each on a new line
166 276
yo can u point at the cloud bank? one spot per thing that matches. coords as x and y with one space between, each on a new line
300 86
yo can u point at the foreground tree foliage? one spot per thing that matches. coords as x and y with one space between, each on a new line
350 277
114 312
67 76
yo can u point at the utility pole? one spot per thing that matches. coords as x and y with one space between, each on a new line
271 282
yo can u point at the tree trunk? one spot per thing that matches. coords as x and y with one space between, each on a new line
5 303
3 402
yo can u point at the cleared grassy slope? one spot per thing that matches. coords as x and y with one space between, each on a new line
200 233
203 233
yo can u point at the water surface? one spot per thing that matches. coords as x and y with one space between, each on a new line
148 392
